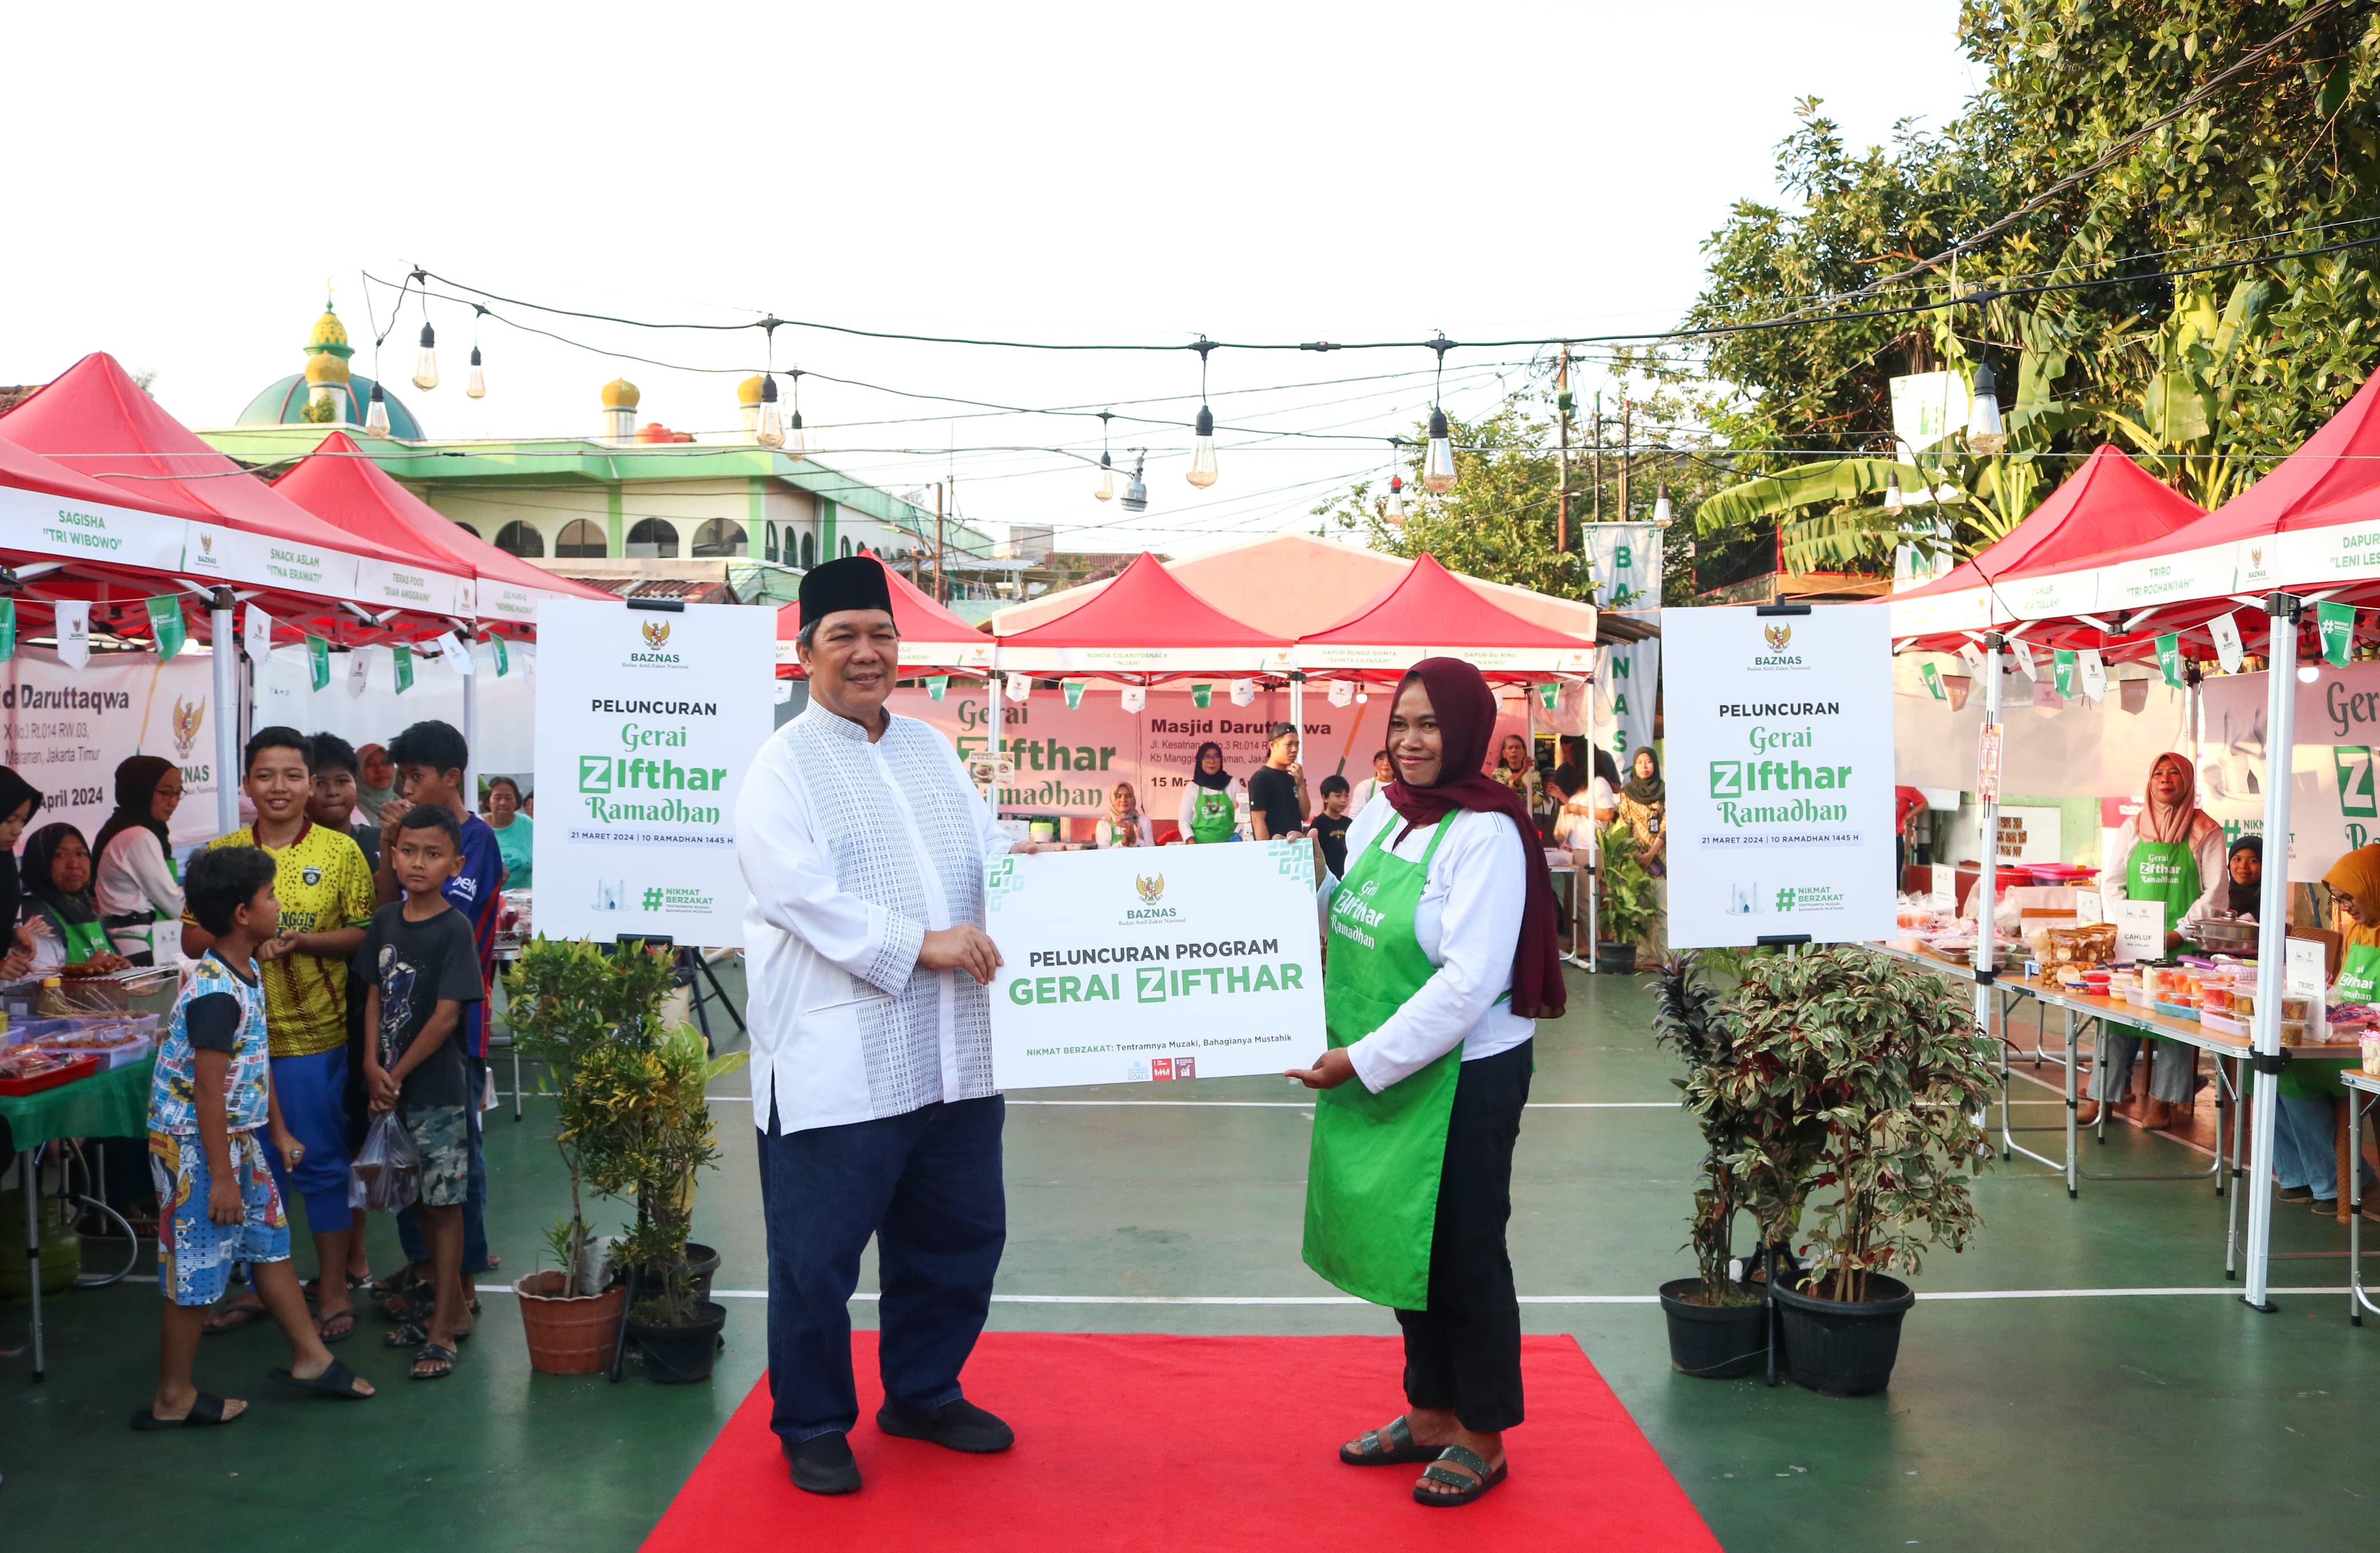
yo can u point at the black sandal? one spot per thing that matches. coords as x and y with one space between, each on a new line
1465 1489
436 1354
1391 1446
337 1381
410 1333
206 1410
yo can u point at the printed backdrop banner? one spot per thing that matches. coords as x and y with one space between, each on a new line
2333 806
68 729
646 722
1780 801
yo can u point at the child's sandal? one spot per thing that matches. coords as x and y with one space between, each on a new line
438 1357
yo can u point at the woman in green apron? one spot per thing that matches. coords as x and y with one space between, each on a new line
58 906
2170 851
2305 1134
1441 955
1210 803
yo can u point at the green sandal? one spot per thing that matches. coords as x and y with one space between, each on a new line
1391 1446
1465 1489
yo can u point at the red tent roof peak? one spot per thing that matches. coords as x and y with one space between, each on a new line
914 615
2108 505
1146 606
1431 604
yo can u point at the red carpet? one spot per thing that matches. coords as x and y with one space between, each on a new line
1148 1442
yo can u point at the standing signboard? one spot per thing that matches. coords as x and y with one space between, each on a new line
646 722
1142 965
1780 801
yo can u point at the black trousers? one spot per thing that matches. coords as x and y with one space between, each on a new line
1464 1351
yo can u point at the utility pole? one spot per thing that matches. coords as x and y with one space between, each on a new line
1561 410
942 592
1598 455
1624 451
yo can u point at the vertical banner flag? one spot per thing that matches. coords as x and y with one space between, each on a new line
504 659
2064 676
1343 692
318 661
937 685
7 629
1136 697
2226 632
1627 686
2094 673
73 631
646 727
1243 693
1987 764
1780 797
359 669
2168 648
256 632
165 626
1933 678
404 656
1073 690
2336 623
1200 694
1624 561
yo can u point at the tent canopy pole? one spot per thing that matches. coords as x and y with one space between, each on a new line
2272 937
223 642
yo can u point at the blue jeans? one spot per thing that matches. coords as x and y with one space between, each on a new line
475 1201
2305 1145
927 1184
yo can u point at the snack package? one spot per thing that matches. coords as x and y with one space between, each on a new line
2092 943
387 1171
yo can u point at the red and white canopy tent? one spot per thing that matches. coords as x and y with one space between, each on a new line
1430 613
931 636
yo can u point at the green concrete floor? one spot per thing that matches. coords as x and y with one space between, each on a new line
2036 1422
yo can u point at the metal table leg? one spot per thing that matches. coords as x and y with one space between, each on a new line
2357 1300
28 1168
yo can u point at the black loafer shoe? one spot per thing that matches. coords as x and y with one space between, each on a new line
823 1464
958 1425
2293 1193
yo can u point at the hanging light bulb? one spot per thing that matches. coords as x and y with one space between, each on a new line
1105 492
1895 504
2309 673
1396 513
425 365
798 442
770 429
1438 464
1202 451
1136 495
1661 504
477 387
376 417
1984 432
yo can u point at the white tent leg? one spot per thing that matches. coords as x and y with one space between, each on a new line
1986 883
223 642
1593 880
2272 937
470 725
991 789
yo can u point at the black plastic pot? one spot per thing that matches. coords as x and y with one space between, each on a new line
1615 959
1843 1349
1713 1342
677 1356
702 1262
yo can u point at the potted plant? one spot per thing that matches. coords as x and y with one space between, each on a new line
570 1002
1718 1328
1628 907
1866 1082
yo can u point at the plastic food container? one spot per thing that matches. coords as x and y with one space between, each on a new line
2214 996
2372 1053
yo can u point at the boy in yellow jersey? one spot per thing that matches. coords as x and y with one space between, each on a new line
325 888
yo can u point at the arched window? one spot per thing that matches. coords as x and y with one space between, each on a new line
718 537
653 538
581 540
769 543
846 546
468 529
809 551
520 538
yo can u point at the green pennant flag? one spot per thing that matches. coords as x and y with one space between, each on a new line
2064 677
318 661
1933 678
504 659
1073 690
1200 694
936 685
2169 659
7 629
2336 623
404 667
166 626
1546 694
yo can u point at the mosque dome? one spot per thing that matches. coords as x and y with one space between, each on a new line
283 404
748 393
328 334
324 367
621 395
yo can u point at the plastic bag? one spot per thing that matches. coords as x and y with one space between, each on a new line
387 1171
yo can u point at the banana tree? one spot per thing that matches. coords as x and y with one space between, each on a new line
2180 428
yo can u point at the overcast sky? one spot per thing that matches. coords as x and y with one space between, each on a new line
185 179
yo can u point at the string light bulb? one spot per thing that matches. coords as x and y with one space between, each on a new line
1895 504
1202 451
425 365
798 442
477 387
1438 464
1661 504
1985 433
1396 511
770 429
1106 491
376 417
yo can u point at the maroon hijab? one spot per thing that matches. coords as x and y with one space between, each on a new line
1465 708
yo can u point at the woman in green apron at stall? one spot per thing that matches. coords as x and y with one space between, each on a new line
1441 955
1210 803
2171 853
58 905
2305 1137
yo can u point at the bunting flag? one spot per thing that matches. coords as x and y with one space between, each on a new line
2226 632
1018 688
359 670
504 659
404 656
2168 648
2022 653
2063 676
1973 657
1200 694
2336 623
457 652
166 626
1548 694
1136 697
1933 678
936 685
256 633
318 661
1243 692
7 629
1343 692
73 629
1073 690
2094 673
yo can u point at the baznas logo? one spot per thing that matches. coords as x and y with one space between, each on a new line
656 633
1151 890
189 716
207 543
2255 555
1778 636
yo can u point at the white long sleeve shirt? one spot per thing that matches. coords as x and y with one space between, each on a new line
1106 834
855 850
1188 809
133 877
1468 922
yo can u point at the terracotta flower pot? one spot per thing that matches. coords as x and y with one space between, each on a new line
568 1335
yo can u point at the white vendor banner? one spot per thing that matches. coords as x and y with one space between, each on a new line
1780 802
66 730
2334 796
646 722
1150 964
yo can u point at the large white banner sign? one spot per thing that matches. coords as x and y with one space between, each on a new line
2334 798
66 730
646 722
1780 775
1150 964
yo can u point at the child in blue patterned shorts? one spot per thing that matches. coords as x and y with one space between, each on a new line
211 1106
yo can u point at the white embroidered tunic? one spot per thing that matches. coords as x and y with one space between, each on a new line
854 850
